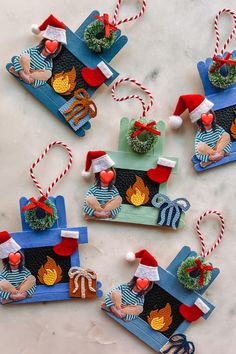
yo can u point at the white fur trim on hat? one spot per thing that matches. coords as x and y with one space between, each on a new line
166 162
10 246
204 107
104 69
175 122
70 234
130 257
102 163
55 33
151 273
35 29
201 305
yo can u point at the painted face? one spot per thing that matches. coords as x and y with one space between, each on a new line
142 284
51 46
106 176
207 119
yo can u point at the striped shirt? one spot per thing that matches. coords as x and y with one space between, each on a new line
103 195
210 137
16 278
37 62
128 297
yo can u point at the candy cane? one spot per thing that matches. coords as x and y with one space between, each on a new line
201 237
233 15
117 23
60 176
125 79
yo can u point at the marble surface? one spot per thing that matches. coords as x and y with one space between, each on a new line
163 49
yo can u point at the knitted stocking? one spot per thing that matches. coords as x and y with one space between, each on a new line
96 77
162 172
194 312
68 244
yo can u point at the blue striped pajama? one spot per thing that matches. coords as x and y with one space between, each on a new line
16 278
210 137
37 62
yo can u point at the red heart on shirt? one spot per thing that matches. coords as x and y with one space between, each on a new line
142 283
106 176
207 118
14 258
51 46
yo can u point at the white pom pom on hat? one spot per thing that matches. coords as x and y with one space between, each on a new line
175 122
85 174
130 257
35 28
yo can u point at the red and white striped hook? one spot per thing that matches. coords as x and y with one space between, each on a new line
63 173
205 253
128 19
233 15
127 79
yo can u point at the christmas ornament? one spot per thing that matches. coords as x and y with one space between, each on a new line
63 74
222 71
195 273
101 34
142 134
38 268
41 213
136 180
168 309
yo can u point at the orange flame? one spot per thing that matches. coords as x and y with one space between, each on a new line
233 128
64 82
138 194
50 272
160 320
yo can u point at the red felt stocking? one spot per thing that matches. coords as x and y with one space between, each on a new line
68 244
194 312
96 77
162 172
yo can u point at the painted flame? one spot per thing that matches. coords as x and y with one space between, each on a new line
50 273
64 82
233 128
138 194
160 320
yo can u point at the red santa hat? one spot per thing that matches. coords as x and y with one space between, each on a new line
7 245
53 29
98 160
196 104
148 266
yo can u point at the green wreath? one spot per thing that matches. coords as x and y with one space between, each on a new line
142 142
40 220
219 80
94 36
191 280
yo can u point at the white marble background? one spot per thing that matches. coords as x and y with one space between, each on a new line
163 50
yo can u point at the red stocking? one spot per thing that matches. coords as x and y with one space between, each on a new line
194 312
68 244
96 77
162 172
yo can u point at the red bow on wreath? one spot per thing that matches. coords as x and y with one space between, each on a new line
108 26
221 62
38 204
144 127
202 268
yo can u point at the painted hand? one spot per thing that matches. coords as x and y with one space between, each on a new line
27 78
117 312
